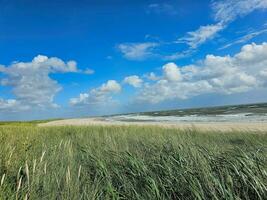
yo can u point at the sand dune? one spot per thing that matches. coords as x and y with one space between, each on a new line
218 126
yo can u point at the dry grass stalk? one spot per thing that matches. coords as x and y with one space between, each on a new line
68 175
34 166
18 187
42 157
2 179
79 171
27 173
26 197
45 168
18 175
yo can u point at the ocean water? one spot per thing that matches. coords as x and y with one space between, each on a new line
240 117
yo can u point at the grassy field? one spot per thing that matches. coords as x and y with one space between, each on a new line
130 163
24 123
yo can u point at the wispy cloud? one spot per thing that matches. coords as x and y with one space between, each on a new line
178 55
89 71
201 35
224 12
137 51
244 38
162 8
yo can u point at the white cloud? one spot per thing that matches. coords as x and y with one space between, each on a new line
201 35
178 55
89 71
137 51
172 72
263 73
98 96
111 86
164 90
228 10
224 12
242 72
152 76
134 81
11 105
31 84
245 38
162 8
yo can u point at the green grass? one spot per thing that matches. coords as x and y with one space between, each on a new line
25 123
130 163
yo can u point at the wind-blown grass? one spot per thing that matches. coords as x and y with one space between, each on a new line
130 163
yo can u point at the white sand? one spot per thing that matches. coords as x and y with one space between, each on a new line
219 126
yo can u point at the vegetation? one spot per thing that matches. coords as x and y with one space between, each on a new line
130 163
25 123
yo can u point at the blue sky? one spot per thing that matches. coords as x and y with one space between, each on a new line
80 58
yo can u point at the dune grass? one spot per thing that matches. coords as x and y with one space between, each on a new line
25 123
130 163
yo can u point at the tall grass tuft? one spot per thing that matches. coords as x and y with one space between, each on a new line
131 163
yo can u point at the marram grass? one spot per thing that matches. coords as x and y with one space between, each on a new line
130 163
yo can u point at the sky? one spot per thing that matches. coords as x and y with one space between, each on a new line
78 58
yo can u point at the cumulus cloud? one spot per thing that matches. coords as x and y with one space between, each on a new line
172 72
111 86
97 96
152 76
164 90
137 51
31 84
241 72
224 12
134 81
11 105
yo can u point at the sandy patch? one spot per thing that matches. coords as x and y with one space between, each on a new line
218 126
